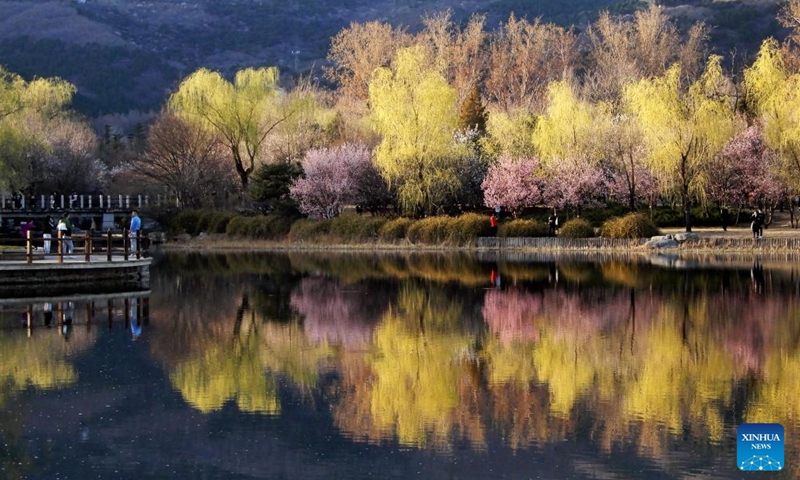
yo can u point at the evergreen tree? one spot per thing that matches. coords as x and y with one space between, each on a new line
473 112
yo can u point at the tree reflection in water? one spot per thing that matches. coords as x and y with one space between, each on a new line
629 355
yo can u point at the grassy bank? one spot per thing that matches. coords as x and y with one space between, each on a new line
219 231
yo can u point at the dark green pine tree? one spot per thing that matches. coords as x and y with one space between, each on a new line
473 113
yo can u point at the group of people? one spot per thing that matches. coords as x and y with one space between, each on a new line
552 223
51 227
63 225
757 226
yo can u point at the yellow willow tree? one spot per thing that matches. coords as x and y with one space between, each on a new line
47 96
774 96
566 129
683 128
23 103
414 110
510 132
242 113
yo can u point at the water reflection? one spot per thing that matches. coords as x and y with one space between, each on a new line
632 369
41 342
39 339
433 351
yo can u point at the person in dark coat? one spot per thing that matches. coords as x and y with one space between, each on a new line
552 224
761 219
725 218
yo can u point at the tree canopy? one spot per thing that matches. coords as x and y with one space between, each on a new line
414 109
773 94
683 128
243 112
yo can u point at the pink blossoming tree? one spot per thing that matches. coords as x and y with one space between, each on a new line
746 172
513 184
632 185
332 178
576 184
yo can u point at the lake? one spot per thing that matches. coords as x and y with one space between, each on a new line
398 366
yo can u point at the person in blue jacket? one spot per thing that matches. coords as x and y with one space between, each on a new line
136 225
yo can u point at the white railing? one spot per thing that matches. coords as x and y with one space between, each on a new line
83 202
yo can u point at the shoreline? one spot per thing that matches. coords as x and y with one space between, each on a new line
705 245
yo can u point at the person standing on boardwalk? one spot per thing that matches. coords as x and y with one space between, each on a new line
47 230
64 225
493 224
26 226
136 225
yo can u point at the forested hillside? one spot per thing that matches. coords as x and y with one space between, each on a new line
129 55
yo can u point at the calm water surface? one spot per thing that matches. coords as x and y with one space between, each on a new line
324 366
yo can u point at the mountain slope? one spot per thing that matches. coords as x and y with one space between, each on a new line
129 55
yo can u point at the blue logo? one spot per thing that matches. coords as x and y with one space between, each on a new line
759 447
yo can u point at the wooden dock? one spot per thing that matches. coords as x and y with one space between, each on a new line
97 265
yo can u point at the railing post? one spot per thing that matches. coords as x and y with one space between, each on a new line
28 247
108 243
90 202
127 202
101 202
42 197
22 202
62 201
81 201
120 202
60 241
29 319
87 246
125 241
140 201
4 201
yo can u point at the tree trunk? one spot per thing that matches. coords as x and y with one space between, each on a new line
738 214
244 174
687 217
687 214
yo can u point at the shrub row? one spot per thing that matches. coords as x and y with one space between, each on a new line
344 228
432 230
195 221
449 230
395 230
522 228
632 225
576 228
269 227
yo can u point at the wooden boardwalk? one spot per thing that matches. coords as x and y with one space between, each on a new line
97 264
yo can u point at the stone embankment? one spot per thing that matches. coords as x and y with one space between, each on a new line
692 243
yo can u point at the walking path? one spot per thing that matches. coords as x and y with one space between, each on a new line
780 228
